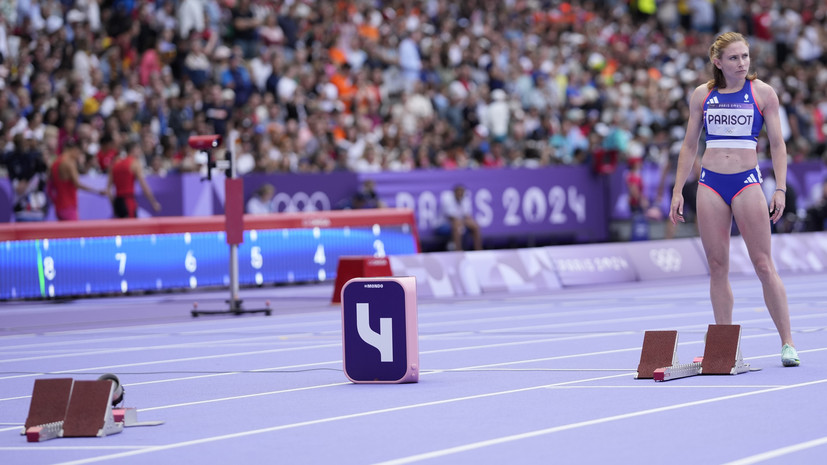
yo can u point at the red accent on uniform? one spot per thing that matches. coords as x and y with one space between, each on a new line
124 180
64 193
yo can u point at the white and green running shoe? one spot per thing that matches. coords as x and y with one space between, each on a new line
789 356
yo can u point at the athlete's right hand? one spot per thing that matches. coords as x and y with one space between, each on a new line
676 209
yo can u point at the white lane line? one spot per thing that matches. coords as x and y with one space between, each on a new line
482 368
627 372
282 337
185 345
581 424
246 396
176 360
772 454
305 334
69 448
320 421
247 340
453 450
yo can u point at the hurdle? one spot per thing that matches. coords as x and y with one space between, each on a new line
722 355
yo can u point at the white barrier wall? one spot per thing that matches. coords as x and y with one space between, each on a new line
451 274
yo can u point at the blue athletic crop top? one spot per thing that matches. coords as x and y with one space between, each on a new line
732 120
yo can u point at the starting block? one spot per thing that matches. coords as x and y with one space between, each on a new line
50 399
722 355
64 407
350 267
722 352
89 413
660 349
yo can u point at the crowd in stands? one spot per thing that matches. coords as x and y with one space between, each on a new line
373 85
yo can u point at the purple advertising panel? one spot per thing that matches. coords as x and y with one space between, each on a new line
375 325
191 195
592 264
666 259
305 192
169 191
803 178
560 201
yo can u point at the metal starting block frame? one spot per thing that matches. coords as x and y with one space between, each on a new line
681 370
722 355
129 417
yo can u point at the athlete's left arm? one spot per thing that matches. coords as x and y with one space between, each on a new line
767 101
138 171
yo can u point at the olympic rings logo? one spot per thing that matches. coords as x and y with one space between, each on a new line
300 202
668 259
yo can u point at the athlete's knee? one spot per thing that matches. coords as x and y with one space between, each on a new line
718 264
764 267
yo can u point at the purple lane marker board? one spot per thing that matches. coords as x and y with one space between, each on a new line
380 341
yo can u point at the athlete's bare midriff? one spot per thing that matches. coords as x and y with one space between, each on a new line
729 160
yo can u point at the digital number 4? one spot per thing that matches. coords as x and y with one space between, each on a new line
383 340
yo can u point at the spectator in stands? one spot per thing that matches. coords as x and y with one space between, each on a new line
789 221
28 173
191 18
816 217
237 78
262 200
218 108
458 219
638 202
586 60
245 26
499 116
181 119
409 58
689 191
365 197
122 176
197 63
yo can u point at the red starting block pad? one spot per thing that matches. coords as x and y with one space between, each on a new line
380 341
660 349
44 432
50 399
90 410
722 354
350 267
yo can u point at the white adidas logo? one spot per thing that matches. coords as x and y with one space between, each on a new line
751 179
714 99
